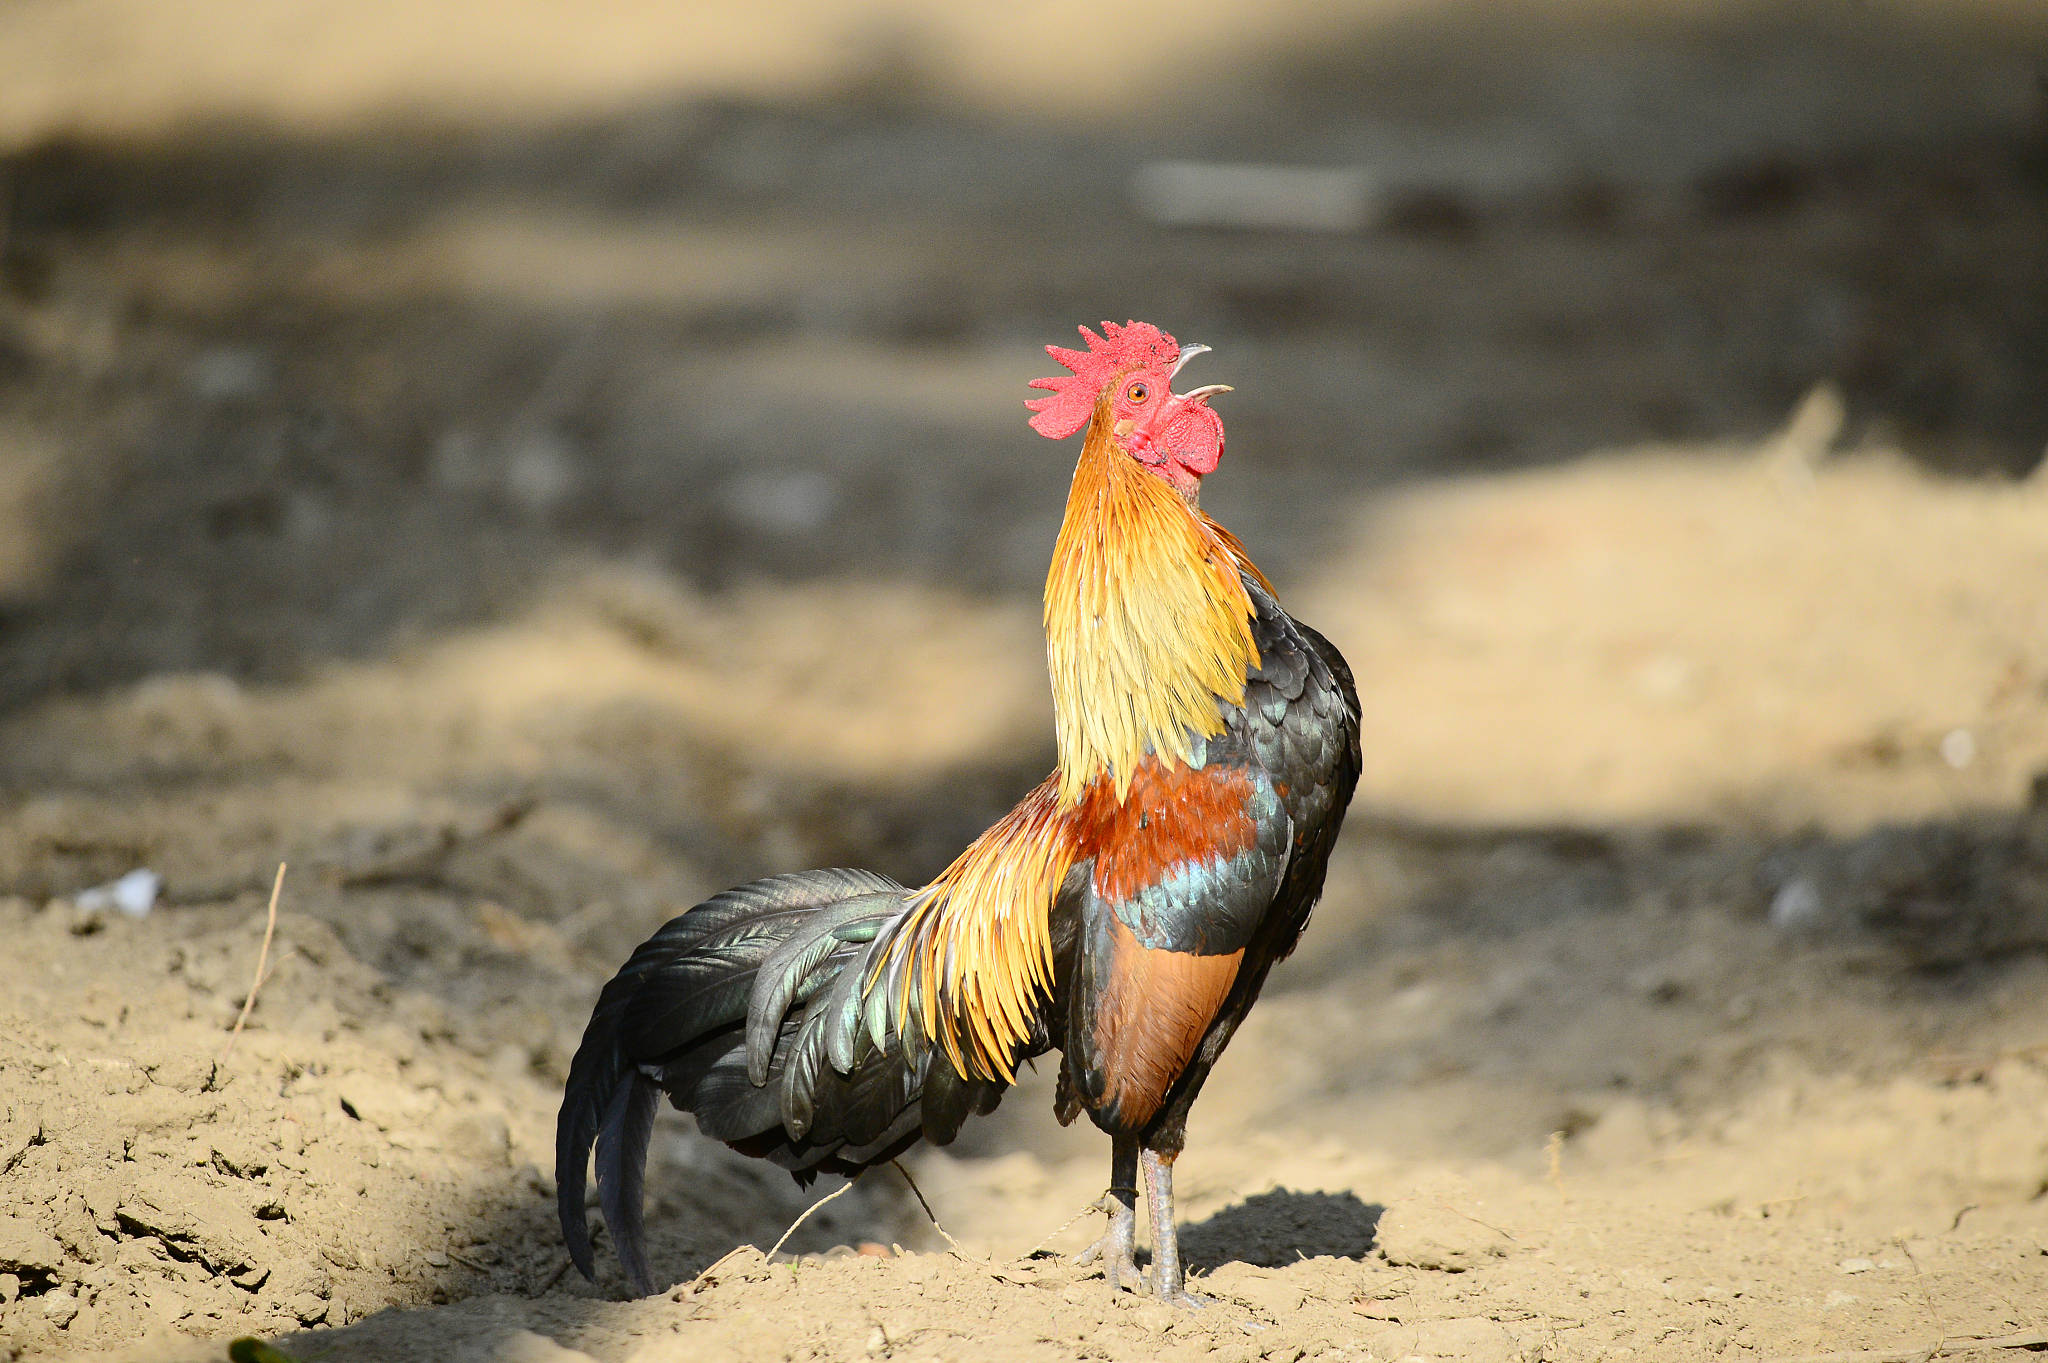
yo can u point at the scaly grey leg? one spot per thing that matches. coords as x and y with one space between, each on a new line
1169 1284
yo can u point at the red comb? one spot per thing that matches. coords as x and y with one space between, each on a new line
1119 349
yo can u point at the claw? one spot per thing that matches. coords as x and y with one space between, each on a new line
1118 1268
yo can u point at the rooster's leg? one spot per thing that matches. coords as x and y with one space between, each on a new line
1113 1250
1169 1284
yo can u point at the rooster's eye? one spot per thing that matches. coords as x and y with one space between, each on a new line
1137 392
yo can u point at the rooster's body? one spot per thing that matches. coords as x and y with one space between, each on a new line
1125 913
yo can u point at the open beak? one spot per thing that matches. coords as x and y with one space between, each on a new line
1204 393
1188 352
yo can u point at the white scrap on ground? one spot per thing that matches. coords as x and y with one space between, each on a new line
133 894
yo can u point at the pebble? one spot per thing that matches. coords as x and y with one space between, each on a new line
1797 905
59 1307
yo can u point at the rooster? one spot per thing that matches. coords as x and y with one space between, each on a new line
1125 913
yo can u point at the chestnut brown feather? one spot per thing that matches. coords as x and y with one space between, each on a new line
1155 1008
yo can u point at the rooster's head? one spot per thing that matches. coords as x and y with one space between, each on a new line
1125 380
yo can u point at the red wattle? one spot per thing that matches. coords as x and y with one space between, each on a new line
1193 439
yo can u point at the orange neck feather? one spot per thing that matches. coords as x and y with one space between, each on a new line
1147 622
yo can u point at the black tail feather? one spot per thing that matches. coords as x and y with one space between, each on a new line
750 1012
621 1165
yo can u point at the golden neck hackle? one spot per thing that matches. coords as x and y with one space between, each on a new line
1147 622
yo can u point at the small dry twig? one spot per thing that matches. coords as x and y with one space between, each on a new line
561 1271
2026 1339
836 1192
918 1193
1475 1220
1920 1281
689 1289
262 960
1553 1154
1099 1207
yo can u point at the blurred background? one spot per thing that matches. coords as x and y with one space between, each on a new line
534 465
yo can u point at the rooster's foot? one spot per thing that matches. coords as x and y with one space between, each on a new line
1120 1270
1113 1250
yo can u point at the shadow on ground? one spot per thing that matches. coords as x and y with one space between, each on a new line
1277 1228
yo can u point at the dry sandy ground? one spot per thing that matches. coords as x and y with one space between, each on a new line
528 493
1799 1076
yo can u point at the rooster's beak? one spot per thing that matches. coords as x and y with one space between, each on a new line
1188 352
1204 393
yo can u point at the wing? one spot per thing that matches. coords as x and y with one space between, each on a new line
1302 720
